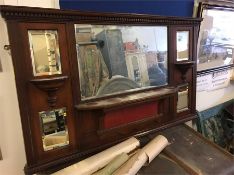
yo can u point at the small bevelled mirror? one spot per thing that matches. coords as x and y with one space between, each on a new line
182 103
54 128
182 45
114 59
44 52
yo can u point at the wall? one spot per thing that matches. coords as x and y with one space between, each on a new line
157 7
11 138
209 99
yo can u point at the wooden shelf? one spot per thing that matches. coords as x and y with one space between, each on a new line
183 67
48 84
146 96
51 86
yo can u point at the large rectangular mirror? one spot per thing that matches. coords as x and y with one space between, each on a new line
114 58
44 52
54 128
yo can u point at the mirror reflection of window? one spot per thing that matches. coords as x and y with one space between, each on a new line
114 59
183 99
54 128
182 45
216 39
44 52
136 71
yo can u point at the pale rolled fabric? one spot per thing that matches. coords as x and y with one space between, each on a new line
98 161
143 156
113 165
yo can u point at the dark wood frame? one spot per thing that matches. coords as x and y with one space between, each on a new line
0 154
222 6
85 120
0 66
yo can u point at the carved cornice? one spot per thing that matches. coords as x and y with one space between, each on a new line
29 13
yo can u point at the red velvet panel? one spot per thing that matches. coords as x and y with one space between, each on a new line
129 114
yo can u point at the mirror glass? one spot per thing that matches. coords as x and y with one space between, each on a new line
182 103
114 59
182 45
44 52
216 38
54 128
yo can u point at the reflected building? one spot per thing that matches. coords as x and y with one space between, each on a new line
151 58
93 71
156 68
113 51
136 63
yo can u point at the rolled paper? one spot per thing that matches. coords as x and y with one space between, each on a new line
98 161
143 156
132 166
155 146
113 165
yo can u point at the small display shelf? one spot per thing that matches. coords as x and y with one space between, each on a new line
184 67
146 96
51 86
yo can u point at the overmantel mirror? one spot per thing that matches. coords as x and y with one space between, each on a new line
116 58
87 80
